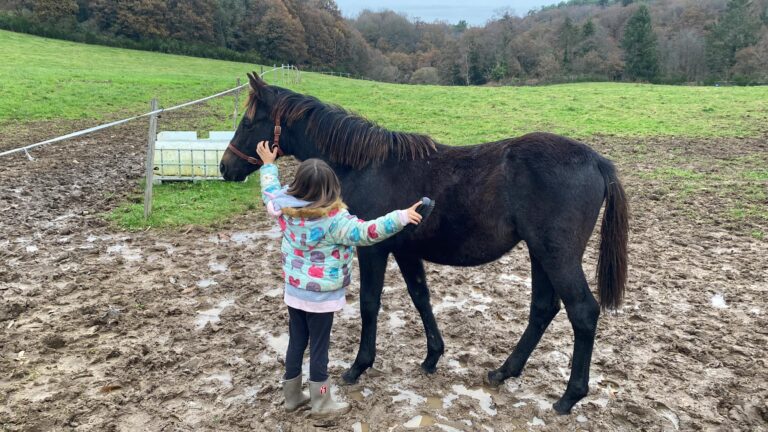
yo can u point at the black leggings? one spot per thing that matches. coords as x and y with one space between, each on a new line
312 328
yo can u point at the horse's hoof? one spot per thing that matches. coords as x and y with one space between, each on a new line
494 378
349 377
562 408
428 369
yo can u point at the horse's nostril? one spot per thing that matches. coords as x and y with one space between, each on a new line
222 168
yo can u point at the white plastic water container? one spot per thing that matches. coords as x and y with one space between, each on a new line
181 155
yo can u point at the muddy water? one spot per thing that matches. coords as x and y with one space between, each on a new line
107 330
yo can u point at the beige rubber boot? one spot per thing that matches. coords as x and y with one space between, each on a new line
294 397
322 403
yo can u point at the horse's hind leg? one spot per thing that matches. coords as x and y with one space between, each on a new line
583 312
412 269
544 306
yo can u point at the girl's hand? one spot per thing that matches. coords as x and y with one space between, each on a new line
413 216
266 154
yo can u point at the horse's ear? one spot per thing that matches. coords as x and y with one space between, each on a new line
256 82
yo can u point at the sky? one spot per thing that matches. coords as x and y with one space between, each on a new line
475 12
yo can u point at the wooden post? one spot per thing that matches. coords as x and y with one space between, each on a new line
262 70
150 160
237 102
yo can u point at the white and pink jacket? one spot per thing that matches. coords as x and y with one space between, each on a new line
318 244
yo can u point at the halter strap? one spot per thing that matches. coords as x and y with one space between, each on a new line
256 161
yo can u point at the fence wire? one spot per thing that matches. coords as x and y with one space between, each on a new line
283 70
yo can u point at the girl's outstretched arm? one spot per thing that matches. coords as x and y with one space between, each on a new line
348 230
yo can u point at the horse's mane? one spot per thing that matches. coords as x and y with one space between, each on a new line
344 137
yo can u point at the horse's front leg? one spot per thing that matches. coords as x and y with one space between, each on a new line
373 264
412 269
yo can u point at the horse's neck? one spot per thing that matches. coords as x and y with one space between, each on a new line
302 147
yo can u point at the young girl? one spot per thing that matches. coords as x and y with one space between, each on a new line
319 236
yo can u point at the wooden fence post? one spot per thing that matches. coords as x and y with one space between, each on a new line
150 160
237 102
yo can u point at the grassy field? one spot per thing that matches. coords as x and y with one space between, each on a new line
44 79
48 79
466 115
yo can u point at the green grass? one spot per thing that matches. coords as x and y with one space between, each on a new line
674 173
464 115
759 175
181 203
44 79
50 79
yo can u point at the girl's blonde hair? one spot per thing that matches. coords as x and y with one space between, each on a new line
316 182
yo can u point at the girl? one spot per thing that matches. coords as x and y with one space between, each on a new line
319 236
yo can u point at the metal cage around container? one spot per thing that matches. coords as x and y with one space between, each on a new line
182 156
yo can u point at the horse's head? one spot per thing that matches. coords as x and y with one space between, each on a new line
308 128
258 124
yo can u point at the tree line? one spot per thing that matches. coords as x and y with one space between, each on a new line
665 41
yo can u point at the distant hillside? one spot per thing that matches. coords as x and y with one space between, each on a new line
687 41
311 33
664 41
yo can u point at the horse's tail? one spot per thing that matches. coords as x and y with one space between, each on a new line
612 262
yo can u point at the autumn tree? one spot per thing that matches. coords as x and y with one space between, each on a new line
751 64
135 19
683 56
53 10
425 75
450 65
269 29
192 20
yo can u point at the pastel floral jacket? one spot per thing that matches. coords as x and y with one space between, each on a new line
318 246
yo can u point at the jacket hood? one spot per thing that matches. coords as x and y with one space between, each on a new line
313 212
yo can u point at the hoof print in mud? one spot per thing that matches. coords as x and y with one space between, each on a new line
54 341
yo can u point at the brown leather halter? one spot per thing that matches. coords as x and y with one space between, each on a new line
255 161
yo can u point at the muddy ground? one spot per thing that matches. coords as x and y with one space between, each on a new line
102 329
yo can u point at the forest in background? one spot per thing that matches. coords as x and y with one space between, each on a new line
660 41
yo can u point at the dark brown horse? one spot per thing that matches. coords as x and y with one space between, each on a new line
544 189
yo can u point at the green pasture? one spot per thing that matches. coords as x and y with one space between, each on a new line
51 79
44 79
468 115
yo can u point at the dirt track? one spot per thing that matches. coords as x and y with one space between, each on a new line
107 330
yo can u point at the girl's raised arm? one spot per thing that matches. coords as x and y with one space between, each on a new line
270 182
268 174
